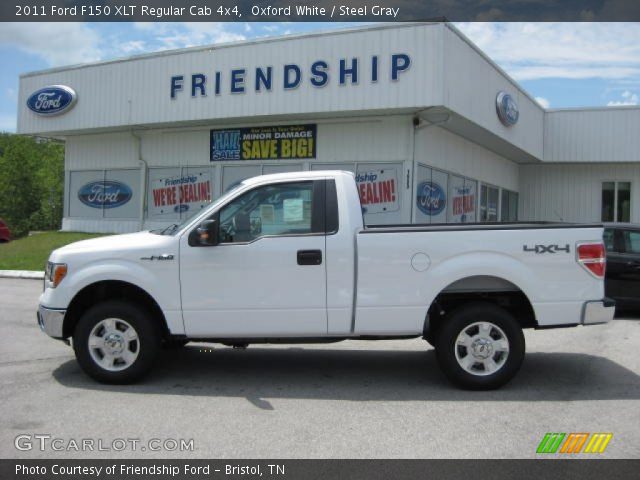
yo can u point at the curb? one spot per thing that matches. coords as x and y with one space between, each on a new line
28 274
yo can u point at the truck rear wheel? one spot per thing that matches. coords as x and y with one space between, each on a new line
480 346
116 342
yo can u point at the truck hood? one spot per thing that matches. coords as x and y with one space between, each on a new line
130 245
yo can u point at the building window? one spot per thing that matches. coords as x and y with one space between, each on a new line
616 201
489 203
443 197
509 206
104 194
461 201
177 193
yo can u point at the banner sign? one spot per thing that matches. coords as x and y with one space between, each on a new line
378 190
176 194
286 142
463 203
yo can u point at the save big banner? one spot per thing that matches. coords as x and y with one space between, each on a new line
174 192
286 142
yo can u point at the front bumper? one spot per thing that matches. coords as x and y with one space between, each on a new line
598 311
51 320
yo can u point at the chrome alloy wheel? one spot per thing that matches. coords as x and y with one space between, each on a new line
482 348
114 344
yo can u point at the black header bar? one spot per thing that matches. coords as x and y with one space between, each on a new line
318 10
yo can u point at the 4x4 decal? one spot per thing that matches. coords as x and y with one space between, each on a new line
546 249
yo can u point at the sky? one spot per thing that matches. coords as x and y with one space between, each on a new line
560 64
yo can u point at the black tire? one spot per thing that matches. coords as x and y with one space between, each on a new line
465 318
148 336
429 339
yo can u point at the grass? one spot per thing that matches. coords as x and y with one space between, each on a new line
31 253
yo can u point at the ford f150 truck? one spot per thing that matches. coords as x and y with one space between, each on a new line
287 258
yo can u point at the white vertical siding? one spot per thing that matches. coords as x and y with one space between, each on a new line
99 226
172 148
136 91
597 135
573 193
90 152
380 139
367 122
373 139
445 70
442 149
384 139
470 86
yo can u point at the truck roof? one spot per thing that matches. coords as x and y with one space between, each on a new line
301 175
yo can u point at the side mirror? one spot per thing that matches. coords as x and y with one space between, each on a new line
205 235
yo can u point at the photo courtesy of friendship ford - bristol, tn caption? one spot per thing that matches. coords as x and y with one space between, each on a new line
286 258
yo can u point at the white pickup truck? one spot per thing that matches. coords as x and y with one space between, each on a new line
286 258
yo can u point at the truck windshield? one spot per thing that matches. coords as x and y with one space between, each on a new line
176 227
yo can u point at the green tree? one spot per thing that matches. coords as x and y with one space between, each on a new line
50 181
31 183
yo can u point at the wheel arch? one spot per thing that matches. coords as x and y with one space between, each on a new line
480 288
110 290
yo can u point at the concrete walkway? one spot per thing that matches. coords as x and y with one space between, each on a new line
34 275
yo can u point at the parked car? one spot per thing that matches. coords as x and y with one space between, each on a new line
5 234
622 279
285 258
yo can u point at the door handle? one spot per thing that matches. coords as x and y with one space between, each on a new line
309 257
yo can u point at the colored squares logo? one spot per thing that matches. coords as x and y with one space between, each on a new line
574 443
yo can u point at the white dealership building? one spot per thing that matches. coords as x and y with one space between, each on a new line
434 130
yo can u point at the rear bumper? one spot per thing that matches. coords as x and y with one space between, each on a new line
51 321
598 311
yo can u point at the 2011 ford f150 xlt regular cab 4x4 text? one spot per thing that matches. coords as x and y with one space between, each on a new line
286 258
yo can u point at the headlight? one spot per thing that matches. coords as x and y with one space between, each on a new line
55 273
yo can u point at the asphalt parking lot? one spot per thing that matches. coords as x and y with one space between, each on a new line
346 400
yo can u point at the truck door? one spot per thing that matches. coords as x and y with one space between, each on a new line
267 275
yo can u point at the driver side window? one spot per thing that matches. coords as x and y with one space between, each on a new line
277 209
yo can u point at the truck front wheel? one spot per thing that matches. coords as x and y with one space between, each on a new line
116 342
480 346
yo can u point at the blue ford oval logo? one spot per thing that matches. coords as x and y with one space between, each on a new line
52 100
107 194
183 207
507 109
431 198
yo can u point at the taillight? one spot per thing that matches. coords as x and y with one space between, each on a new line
592 256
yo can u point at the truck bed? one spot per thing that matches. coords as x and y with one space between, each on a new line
403 268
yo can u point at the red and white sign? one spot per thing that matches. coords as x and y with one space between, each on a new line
378 190
179 194
463 203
